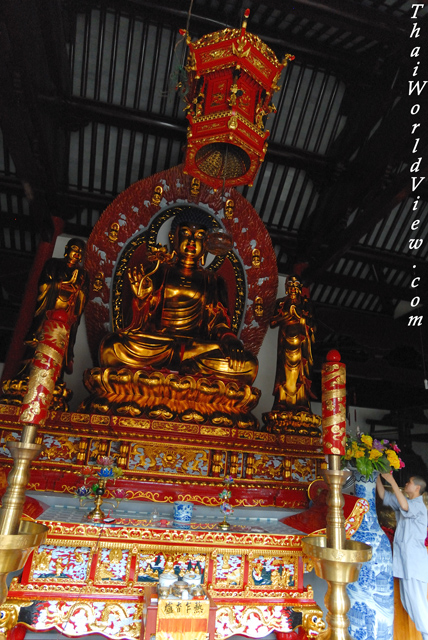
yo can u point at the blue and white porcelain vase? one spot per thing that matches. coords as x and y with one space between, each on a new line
182 514
371 615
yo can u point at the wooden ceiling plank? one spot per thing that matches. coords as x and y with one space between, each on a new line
341 241
306 50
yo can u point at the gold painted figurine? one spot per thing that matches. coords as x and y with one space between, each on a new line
113 234
229 208
293 315
64 285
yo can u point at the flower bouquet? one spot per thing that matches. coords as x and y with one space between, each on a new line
368 454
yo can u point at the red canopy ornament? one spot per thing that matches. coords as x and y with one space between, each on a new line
232 76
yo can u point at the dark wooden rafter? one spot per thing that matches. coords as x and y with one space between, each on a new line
386 292
359 181
36 62
84 110
288 242
364 20
343 239
347 15
362 186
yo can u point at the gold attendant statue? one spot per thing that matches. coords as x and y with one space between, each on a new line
63 284
180 319
294 361
291 412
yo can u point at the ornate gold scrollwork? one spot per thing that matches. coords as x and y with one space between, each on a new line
9 616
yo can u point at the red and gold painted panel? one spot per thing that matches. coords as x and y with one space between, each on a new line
92 579
185 461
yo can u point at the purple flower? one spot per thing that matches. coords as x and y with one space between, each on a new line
378 445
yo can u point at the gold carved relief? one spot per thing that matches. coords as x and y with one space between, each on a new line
157 195
228 571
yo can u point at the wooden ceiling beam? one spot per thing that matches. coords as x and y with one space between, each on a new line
364 285
359 253
30 38
307 51
85 110
362 188
342 240
343 14
376 332
347 16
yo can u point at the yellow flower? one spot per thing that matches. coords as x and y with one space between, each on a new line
391 455
359 454
348 454
367 440
375 454
393 458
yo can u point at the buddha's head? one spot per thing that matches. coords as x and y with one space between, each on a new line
189 230
73 252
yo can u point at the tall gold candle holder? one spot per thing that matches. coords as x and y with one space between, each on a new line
335 559
18 537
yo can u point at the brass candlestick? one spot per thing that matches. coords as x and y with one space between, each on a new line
96 515
335 559
17 537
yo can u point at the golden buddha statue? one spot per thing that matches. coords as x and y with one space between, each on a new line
180 319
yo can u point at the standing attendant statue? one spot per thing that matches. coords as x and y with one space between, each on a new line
293 315
63 285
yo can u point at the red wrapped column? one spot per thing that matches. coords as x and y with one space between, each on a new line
46 366
333 390
17 346
45 370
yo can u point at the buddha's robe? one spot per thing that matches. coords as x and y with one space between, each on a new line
180 326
